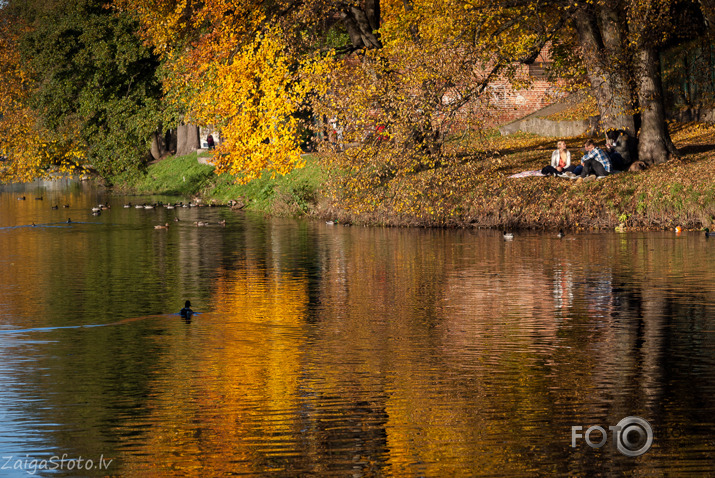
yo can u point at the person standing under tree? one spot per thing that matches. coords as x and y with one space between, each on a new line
210 141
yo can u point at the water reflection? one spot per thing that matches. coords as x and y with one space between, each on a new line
333 351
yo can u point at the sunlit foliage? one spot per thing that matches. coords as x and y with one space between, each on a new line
27 148
234 66
402 109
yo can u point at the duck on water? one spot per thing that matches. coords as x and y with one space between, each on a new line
186 312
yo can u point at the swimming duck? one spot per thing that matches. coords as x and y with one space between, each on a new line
128 205
148 206
165 226
139 206
39 199
176 219
222 222
708 233
201 223
69 221
560 234
96 209
508 236
186 312
65 206
55 207
21 198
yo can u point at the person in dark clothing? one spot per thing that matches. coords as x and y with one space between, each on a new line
595 161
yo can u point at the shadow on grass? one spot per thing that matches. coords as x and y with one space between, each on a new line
696 149
574 144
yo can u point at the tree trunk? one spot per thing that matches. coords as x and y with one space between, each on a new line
621 108
654 143
362 25
158 145
187 139
612 92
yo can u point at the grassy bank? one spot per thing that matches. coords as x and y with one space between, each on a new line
477 193
480 193
291 195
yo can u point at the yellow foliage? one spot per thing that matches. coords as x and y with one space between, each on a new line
238 75
27 146
401 109
237 65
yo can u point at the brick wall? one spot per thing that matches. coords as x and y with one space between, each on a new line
502 103
507 103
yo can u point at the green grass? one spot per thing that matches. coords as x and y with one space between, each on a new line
174 176
474 193
295 193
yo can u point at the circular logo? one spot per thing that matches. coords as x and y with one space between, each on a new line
634 436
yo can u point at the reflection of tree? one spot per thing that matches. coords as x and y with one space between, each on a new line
235 381
381 351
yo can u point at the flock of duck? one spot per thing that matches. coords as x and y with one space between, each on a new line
97 210
509 236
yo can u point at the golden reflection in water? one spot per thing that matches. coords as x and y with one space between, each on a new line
424 357
378 352
233 387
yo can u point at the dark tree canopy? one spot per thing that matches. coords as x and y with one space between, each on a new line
95 78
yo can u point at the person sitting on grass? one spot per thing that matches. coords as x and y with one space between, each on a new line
560 160
595 161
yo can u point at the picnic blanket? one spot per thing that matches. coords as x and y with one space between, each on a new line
536 172
525 174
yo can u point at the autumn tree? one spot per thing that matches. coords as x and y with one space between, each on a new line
415 104
28 148
653 26
621 42
93 81
236 66
417 71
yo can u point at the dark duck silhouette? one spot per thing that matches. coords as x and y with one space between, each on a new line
186 312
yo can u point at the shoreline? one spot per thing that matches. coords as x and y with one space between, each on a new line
477 194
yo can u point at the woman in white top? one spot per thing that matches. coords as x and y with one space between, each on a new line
560 161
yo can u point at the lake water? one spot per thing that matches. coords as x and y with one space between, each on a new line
324 350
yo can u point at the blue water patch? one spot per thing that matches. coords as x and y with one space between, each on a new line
82 326
63 224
